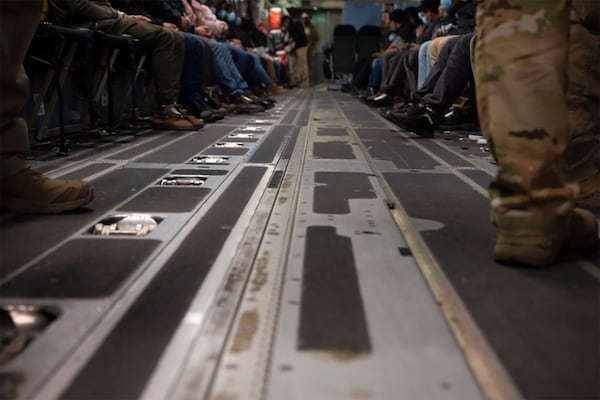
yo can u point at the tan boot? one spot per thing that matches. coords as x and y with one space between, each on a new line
169 118
31 192
537 236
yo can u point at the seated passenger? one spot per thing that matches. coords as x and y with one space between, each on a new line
197 62
401 76
166 52
228 77
445 83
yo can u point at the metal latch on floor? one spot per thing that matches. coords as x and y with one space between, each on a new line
182 180
255 129
241 136
127 224
262 121
20 325
228 145
210 160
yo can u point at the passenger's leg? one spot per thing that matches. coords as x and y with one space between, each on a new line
166 53
424 64
436 47
191 76
437 70
375 76
228 76
259 71
454 77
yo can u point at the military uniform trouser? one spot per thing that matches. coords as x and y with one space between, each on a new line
299 67
166 49
583 104
18 20
521 63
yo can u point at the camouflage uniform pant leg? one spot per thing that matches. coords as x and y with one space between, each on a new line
18 20
583 103
521 70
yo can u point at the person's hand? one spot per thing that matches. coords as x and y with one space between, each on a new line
236 42
185 24
140 18
203 31
413 46
420 30
170 26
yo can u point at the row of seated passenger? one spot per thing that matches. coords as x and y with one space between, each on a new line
424 81
99 61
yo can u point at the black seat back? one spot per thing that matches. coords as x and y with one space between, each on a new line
368 41
344 47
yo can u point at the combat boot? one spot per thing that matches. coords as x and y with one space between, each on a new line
31 192
537 235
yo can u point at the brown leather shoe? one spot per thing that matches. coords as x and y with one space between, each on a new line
31 192
169 118
275 90
198 123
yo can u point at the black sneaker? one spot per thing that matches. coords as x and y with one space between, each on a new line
398 114
458 120
244 104
420 119
347 88
381 100
201 111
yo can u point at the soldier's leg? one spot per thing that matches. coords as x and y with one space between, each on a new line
18 20
21 188
583 103
302 67
521 70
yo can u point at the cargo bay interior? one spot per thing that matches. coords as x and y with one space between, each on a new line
311 251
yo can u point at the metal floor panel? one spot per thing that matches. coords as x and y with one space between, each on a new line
325 255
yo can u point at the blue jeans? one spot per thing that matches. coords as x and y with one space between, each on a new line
375 76
250 66
424 64
229 78
191 74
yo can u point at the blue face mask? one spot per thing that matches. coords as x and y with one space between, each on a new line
231 16
423 19
213 10
392 37
447 4
222 14
238 21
